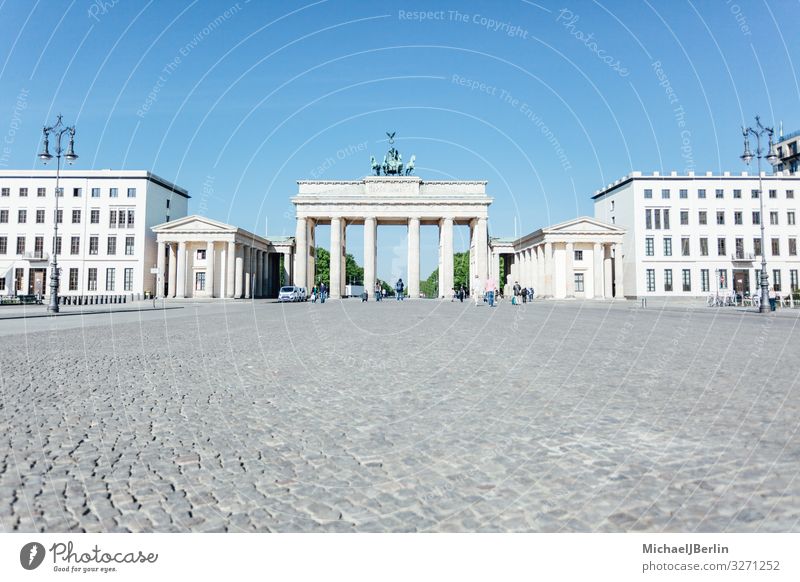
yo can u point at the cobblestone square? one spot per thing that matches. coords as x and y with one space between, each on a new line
414 416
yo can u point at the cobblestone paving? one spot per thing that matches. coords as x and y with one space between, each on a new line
414 416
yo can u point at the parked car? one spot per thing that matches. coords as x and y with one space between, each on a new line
290 293
303 294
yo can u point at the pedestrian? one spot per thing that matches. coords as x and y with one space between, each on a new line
491 288
322 292
398 289
461 293
383 293
772 298
477 289
313 295
377 290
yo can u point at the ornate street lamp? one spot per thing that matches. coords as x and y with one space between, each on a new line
747 157
57 130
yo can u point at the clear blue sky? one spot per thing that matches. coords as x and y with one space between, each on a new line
573 95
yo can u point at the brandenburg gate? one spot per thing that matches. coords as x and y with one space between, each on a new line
390 199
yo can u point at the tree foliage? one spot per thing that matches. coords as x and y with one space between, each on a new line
353 273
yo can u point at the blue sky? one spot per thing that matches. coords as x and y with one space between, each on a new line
547 101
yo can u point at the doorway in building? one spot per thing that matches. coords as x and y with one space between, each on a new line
741 281
36 282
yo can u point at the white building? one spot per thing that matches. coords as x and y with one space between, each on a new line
697 235
105 247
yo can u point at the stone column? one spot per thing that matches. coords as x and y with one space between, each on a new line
264 273
180 288
301 253
161 261
569 269
230 269
210 268
239 275
446 271
312 254
540 270
496 270
287 267
343 280
618 275
248 268
259 272
482 249
607 275
548 269
413 258
370 235
335 269
597 268
172 284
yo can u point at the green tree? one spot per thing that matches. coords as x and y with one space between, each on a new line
323 267
352 271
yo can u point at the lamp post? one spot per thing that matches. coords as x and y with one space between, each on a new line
57 130
747 157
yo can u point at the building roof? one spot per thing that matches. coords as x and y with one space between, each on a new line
97 174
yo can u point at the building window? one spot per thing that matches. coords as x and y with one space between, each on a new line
665 194
790 217
578 255
2 283
76 216
792 246
22 216
684 217
684 193
737 217
753 193
720 217
95 192
721 247
719 193
648 219
5 192
38 247
685 246
790 193
704 283
23 192
667 246
57 245
73 279
77 192
703 246
648 193
773 217
701 193
756 217
657 218
776 247
60 215
723 278
40 216
94 217
3 216
648 246
112 219
121 219
773 193
94 243
110 274
579 282
666 219
737 193
757 247
41 192
128 281
18 274
651 280
129 245
130 219
667 279
131 192
200 281
111 248
3 246
687 280
702 217
75 245
91 284
113 193
758 280
20 245
739 244
776 279
201 254
793 279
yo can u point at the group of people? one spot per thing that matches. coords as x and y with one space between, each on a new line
320 293
380 292
521 294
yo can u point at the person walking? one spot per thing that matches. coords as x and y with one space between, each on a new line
772 298
377 290
322 292
398 289
477 289
461 293
491 288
